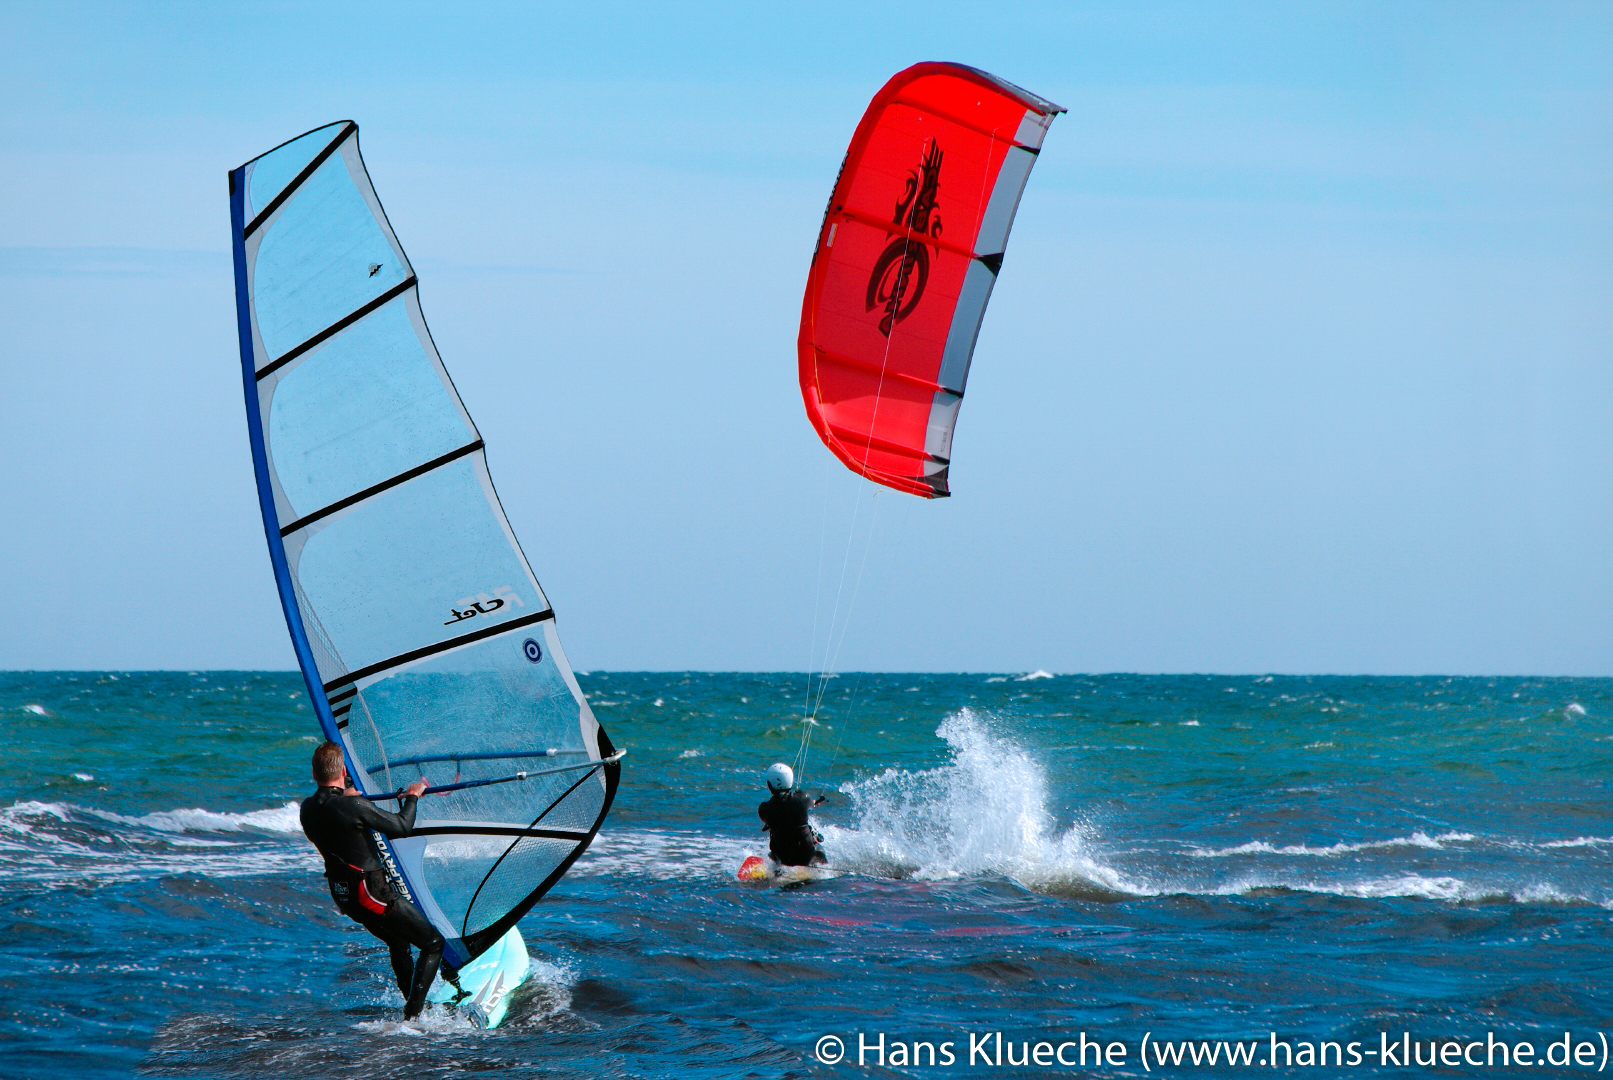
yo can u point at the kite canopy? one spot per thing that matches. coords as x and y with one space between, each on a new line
910 247
428 647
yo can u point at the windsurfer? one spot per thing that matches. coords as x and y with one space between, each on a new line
340 822
786 817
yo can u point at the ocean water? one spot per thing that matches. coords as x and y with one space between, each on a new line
1159 866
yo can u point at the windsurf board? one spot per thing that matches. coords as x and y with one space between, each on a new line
486 983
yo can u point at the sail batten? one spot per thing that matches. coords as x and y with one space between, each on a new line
337 327
376 489
425 640
286 191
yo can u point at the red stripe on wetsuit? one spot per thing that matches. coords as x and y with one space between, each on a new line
370 903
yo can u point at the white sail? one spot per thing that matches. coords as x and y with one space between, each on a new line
428 647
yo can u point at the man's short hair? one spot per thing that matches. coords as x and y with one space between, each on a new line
328 763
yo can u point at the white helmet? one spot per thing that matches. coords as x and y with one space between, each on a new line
780 777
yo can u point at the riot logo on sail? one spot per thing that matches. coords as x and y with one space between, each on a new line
483 604
903 268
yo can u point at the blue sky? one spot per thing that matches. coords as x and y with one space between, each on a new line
1301 359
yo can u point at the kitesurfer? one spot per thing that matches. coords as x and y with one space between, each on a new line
786 818
340 822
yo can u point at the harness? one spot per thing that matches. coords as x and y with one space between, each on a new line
369 889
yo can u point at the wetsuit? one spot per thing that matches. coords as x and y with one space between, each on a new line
340 827
792 840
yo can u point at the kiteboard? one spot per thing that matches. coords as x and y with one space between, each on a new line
487 982
759 871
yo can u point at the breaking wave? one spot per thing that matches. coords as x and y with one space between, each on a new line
1417 839
56 843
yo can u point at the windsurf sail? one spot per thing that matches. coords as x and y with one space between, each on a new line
910 247
428 647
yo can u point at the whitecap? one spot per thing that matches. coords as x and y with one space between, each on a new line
1418 839
280 819
1037 674
55 844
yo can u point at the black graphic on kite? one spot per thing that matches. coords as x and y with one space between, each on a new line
903 268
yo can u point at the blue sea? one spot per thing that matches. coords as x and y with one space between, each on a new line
1297 875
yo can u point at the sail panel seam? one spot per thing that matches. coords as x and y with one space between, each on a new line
874 442
384 485
338 326
308 170
843 360
951 118
441 646
889 228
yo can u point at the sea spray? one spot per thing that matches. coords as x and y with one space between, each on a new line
982 813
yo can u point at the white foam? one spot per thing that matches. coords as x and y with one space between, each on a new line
1579 841
1543 893
1417 839
56 844
1574 708
1413 885
1037 674
281 819
1446 888
37 710
982 813
664 854
691 753
545 992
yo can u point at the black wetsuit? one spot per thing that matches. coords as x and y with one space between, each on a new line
340 826
792 840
